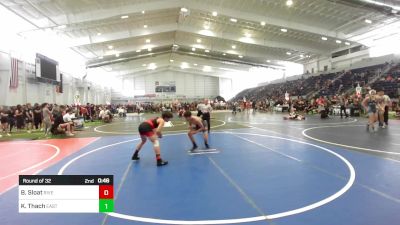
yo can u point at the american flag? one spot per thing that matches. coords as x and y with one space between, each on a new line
14 73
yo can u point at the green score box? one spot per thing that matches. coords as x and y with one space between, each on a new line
106 205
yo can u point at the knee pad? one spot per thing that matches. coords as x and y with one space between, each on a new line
156 143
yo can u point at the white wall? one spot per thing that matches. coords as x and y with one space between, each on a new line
311 65
318 65
187 84
225 88
351 61
31 91
347 61
325 62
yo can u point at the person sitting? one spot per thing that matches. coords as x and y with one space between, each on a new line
181 112
69 116
109 114
121 112
293 115
104 115
59 126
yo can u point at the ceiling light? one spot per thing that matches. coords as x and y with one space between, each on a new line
171 60
138 50
100 57
234 46
214 13
195 64
175 45
233 20
347 43
193 49
206 68
152 66
145 26
338 41
110 47
223 53
268 61
147 40
98 34
289 2
184 65
184 10
199 40
288 53
124 17
301 56
324 38
143 12
284 30
144 65
149 49
368 21
263 23
117 55
207 50
240 56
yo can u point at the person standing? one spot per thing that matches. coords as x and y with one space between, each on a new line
385 102
343 106
4 121
28 117
370 104
19 117
11 118
47 118
205 110
37 116
234 108
151 129
196 125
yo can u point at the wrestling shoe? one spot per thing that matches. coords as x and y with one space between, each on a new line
161 162
193 148
135 157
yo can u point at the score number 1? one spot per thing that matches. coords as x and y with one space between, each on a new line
106 195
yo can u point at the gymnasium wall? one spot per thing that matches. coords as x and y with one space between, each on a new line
31 91
187 84
351 61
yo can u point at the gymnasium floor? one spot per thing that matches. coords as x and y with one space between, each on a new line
265 170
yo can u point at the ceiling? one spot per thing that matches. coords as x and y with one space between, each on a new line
123 35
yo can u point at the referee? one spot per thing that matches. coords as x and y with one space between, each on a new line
204 109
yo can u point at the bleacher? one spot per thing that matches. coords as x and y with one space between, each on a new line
390 82
328 84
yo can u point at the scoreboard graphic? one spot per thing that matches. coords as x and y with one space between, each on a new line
168 86
66 193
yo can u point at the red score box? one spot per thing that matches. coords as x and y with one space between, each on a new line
106 192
